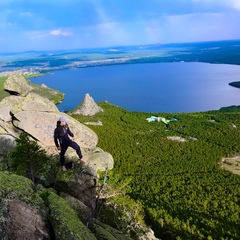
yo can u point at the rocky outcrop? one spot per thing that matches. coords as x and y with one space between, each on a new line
33 212
6 105
25 111
17 85
88 107
24 222
7 143
23 213
29 212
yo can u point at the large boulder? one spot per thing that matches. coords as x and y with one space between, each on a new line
82 185
23 212
100 230
38 116
88 107
24 222
41 125
32 212
98 159
7 143
17 85
34 102
7 128
7 104
64 220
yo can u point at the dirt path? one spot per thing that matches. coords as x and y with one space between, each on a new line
232 164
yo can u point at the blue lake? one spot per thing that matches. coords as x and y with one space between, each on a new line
149 87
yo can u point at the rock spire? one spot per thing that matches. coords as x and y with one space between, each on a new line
88 107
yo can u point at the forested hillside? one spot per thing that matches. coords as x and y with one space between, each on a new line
181 184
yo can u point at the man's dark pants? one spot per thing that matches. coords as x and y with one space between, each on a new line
64 148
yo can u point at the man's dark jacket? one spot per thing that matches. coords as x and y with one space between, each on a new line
61 135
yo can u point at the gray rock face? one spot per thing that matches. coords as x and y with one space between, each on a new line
34 102
7 128
24 222
82 187
17 85
88 107
7 143
6 105
41 126
101 160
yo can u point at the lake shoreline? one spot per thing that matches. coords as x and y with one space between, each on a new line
152 87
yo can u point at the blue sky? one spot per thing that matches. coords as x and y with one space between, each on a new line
75 24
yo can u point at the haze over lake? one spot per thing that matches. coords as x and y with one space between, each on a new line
150 87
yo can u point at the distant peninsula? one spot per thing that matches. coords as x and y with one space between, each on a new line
235 84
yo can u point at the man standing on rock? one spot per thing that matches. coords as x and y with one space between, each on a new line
63 141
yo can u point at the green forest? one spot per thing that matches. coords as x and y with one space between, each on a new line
184 191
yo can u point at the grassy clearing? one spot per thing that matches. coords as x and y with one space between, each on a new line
3 94
232 164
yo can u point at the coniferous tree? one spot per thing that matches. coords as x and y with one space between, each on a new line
28 157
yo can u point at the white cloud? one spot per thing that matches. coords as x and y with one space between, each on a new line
7 25
233 4
58 32
25 14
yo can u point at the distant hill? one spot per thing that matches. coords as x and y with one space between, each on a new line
227 52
